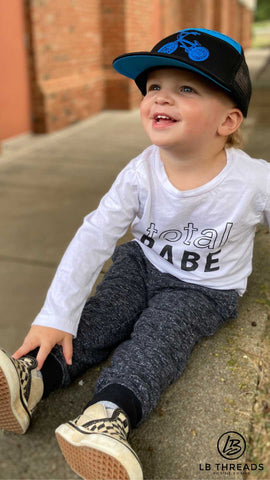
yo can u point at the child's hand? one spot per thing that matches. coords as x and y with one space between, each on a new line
46 338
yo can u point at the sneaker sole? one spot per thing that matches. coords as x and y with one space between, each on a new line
14 417
92 464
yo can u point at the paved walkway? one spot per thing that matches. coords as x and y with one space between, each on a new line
47 185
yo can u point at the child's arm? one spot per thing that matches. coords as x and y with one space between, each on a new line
89 249
92 245
46 338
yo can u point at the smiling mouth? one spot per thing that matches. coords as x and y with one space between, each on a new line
161 120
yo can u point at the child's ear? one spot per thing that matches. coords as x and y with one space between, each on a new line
231 122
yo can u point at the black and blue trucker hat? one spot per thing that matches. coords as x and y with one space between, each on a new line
217 57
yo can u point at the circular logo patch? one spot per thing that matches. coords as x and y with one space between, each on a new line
231 445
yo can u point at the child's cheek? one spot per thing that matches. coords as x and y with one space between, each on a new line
145 107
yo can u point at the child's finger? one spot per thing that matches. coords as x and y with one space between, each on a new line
42 355
68 349
23 350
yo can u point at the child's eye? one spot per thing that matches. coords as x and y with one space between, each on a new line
186 89
153 86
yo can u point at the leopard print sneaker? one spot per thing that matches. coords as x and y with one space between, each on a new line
21 388
96 446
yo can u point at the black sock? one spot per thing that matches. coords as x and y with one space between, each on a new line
124 398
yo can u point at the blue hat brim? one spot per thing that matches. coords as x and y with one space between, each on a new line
134 64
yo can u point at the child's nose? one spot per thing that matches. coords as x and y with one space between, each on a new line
164 96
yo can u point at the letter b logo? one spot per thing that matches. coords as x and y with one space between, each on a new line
231 445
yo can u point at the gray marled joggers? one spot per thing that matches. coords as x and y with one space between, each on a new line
152 318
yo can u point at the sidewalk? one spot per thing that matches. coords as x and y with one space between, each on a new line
47 185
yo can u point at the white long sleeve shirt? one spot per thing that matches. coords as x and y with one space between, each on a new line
203 236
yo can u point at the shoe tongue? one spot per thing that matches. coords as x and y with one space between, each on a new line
94 412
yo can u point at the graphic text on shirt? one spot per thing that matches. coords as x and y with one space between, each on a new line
208 238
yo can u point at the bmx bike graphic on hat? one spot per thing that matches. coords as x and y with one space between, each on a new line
195 50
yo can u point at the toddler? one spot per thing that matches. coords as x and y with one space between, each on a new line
193 201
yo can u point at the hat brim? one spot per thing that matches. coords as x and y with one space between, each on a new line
132 65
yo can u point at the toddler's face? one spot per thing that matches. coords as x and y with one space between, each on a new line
181 110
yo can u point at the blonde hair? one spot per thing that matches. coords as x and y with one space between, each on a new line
235 140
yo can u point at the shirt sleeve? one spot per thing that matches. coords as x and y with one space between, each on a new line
91 246
266 212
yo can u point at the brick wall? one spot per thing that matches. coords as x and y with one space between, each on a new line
66 51
71 49
171 17
113 37
245 26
